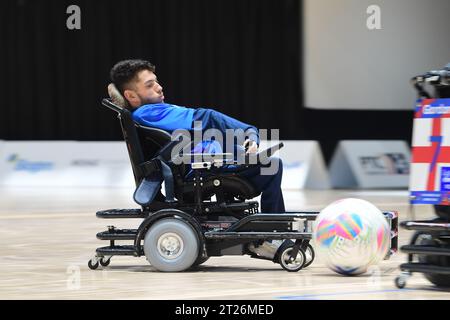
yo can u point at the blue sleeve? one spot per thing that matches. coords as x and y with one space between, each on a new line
164 116
214 119
252 132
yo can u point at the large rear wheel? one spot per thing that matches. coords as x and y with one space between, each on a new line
171 245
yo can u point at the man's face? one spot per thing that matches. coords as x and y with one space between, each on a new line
145 90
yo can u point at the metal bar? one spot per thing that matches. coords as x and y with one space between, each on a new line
117 251
278 217
121 213
426 250
258 235
424 268
117 234
425 226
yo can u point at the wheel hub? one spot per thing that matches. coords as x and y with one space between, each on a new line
289 262
170 245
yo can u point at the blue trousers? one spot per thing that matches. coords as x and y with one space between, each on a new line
212 119
269 185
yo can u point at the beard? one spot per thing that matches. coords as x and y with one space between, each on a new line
146 100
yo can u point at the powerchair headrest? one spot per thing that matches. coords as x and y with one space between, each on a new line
116 96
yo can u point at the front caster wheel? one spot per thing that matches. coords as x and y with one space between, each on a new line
105 262
310 255
400 282
92 266
288 263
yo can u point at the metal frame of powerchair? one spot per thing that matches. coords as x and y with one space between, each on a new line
429 248
428 252
220 238
222 227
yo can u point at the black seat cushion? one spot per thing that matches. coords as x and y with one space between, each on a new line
230 184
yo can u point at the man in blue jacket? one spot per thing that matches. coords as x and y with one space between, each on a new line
137 82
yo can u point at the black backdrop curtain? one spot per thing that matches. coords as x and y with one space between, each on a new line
241 57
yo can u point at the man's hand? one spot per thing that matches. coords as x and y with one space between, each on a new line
250 146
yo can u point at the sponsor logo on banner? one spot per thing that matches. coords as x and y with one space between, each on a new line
436 109
65 164
84 163
96 162
385 164
29 166
430 197
445 179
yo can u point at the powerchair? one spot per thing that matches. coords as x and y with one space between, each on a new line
204 211
429 248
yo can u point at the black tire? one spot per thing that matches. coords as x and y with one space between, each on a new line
92 266
171 245
295 266
400 282
439 280
105 263
310 256
200 260
442 211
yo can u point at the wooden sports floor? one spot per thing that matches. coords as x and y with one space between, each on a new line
47 237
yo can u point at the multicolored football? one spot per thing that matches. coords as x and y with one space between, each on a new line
350 235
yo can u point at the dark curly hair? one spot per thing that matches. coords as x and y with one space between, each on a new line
124 71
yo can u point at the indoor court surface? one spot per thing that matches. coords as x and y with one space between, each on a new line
48 236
